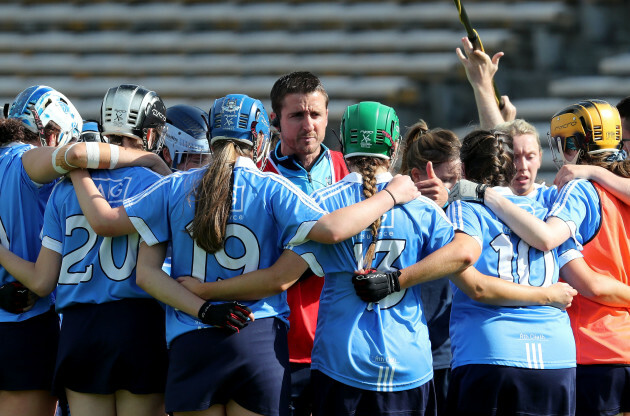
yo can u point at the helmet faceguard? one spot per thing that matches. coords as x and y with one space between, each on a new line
370 129
243 119
590 126
135 112
39 105
187 134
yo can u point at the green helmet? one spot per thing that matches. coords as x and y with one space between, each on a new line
369 129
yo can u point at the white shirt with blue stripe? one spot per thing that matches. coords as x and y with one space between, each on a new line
380 346
268 214
94 269
21 219
536 337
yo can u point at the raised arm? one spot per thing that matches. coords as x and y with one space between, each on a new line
595 286
45 164
617 185
345 222
39 277
253 285
480 70
104 220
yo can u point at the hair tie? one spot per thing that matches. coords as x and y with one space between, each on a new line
617 156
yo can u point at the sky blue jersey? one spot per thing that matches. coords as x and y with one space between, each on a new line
21 219
536 337
380 346
268 214
545 195
94 269
578 205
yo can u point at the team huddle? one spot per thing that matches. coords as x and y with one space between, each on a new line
172 260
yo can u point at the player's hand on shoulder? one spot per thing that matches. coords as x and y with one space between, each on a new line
561 295
16 298
402 189
465 190
569 172
231 316
372 285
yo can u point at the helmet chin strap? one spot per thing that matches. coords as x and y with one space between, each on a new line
40 126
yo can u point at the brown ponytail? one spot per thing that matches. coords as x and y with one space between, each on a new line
213 197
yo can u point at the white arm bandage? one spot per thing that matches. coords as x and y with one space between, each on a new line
114 153
57 168
93 155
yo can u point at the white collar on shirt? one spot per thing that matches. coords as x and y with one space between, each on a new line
245 162
356 177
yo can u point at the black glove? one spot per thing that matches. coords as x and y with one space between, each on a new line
231 316
372 285
14 297
466 190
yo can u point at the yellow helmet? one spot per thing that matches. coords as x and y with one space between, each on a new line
590 126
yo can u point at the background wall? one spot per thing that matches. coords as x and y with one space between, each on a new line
398 52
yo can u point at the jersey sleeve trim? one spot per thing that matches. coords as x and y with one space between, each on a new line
568 256
301 235
313 263
144 230
52 244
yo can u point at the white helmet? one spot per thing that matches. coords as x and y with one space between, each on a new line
187 132
38 105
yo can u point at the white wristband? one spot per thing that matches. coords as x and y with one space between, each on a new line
93 155
114 153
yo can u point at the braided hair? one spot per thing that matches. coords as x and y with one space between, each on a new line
488 157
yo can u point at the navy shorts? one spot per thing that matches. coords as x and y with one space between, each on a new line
603 389
301 390
487 390
28 350
333 398
210 366
112 346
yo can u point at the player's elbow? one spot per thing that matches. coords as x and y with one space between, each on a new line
592 289
323 232
143 273
466 259
104 228
546 244
42 288
76 156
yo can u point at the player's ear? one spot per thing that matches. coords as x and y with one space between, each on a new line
275 121
166 155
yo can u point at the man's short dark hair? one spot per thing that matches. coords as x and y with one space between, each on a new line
299 82
624 107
